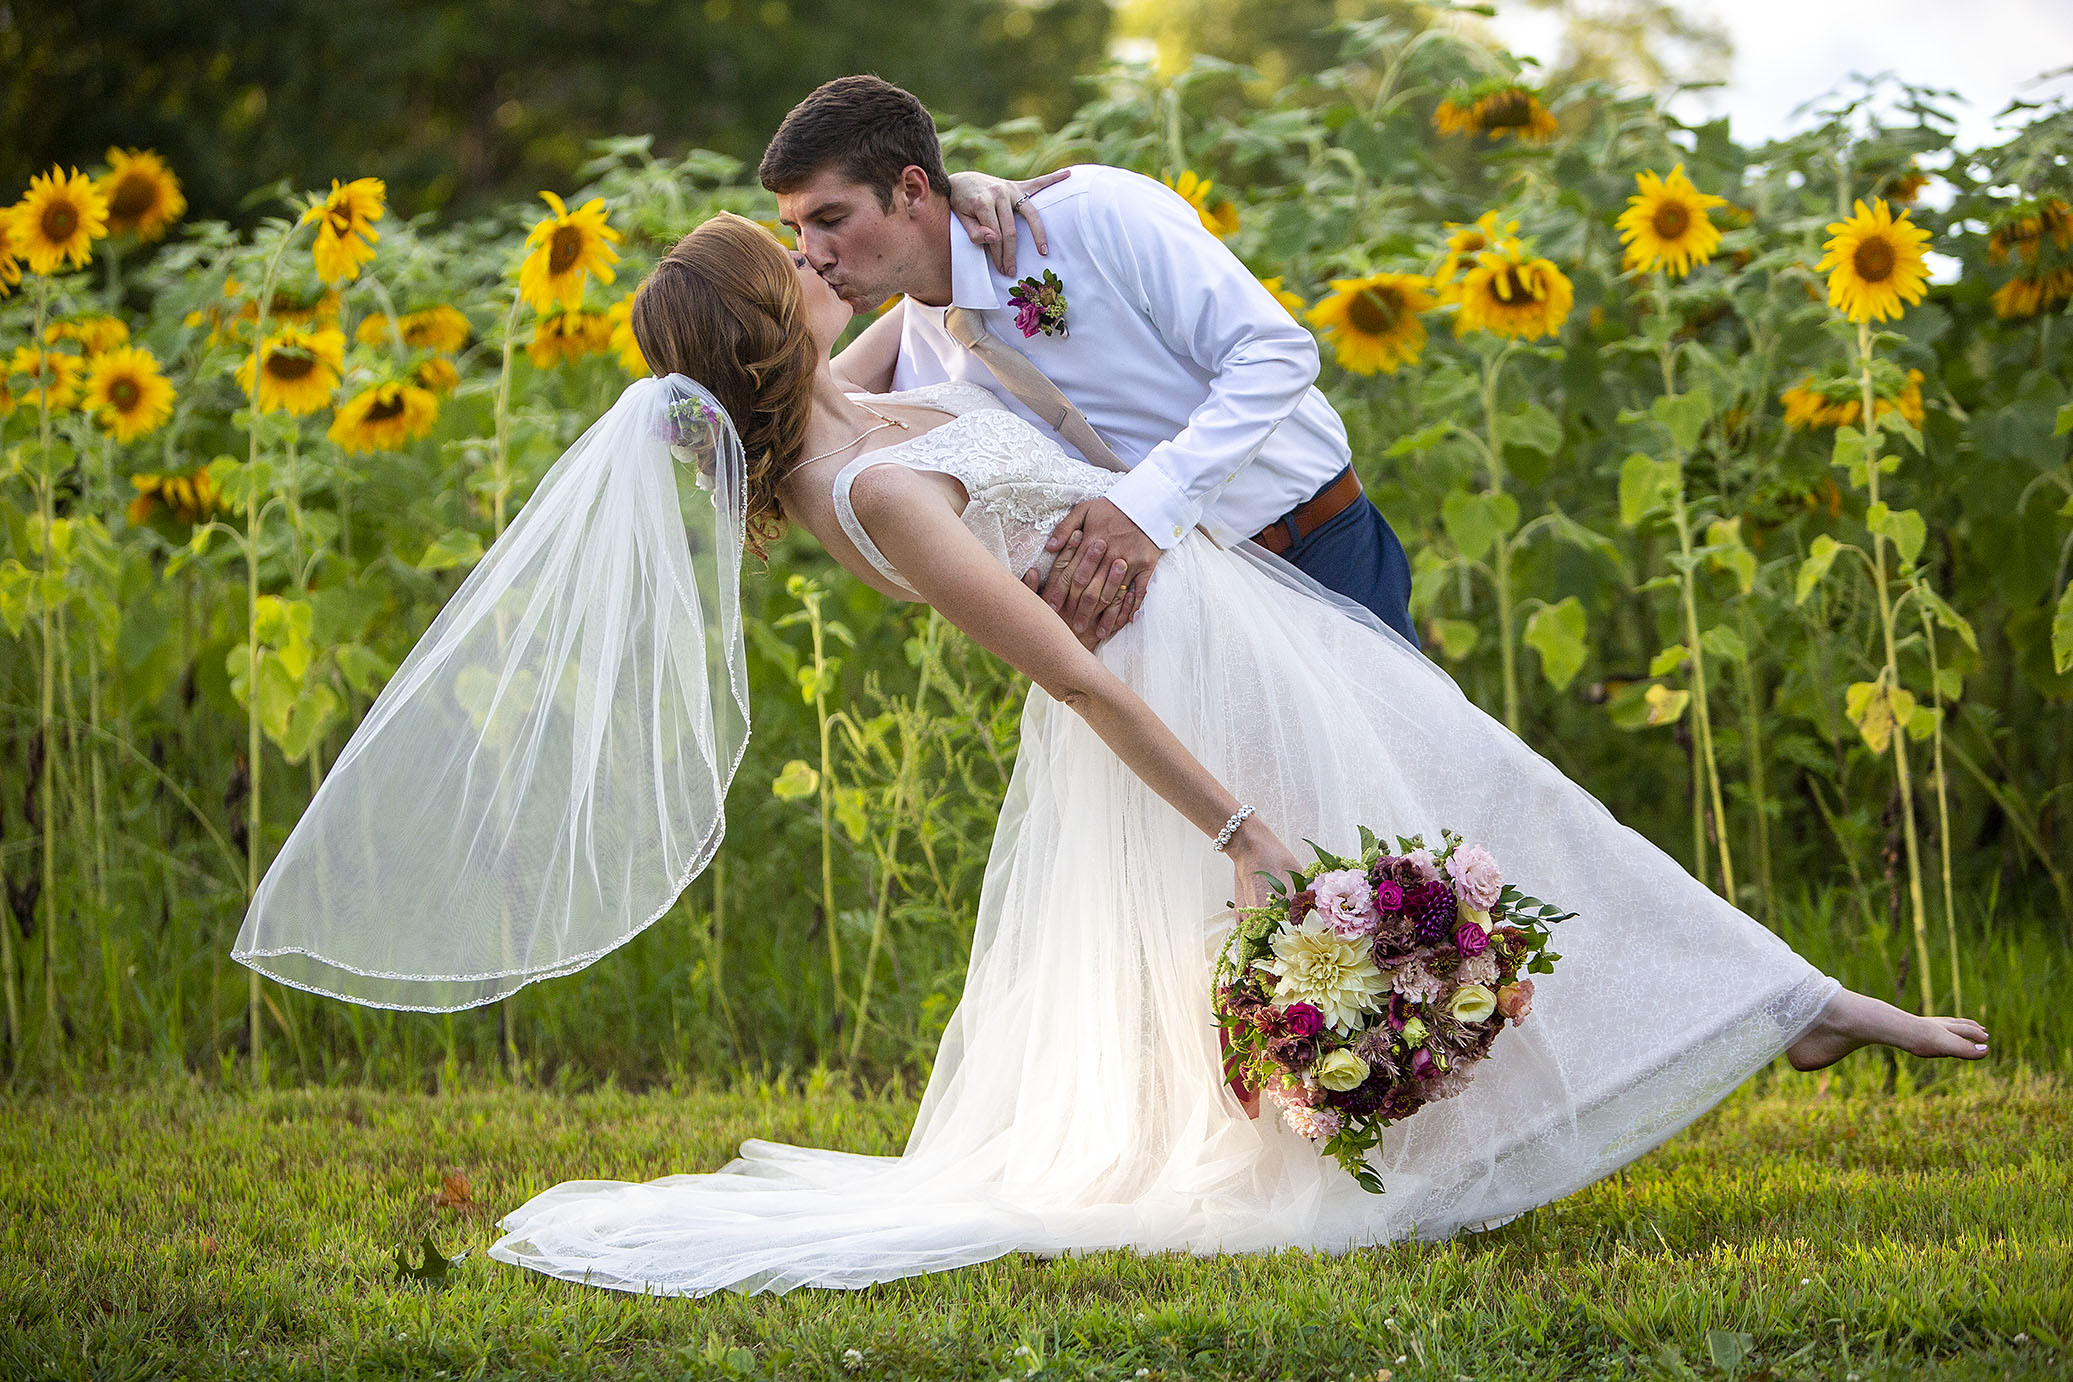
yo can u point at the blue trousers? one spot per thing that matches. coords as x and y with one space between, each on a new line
1357 554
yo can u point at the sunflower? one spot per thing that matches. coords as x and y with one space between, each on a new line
384 417
436 328
1906 185
126 393
569 335
1507 294
94 334
2022 228
1373 322
191 497
563 251
436 374
620 315
53 374
58 220
288 308
1839 402
1292 301
1220 219
1465 242
2028 294
301 369
143 195
345 231
1496 109
1874 263
10 267
1665 224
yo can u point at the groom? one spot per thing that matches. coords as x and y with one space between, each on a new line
1191 374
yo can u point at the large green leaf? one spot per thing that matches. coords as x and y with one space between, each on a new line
1821 555
1556 632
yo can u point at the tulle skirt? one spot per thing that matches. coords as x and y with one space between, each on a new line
1077 1101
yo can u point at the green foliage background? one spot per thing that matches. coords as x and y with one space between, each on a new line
455 102
120 951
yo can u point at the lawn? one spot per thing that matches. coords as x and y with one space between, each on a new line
1806 1228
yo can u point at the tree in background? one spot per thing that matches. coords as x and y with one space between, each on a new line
457 102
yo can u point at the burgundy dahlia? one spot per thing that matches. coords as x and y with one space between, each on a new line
1432 909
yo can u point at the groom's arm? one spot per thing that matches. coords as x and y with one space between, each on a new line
1207 307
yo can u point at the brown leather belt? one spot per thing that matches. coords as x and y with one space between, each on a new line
1310 515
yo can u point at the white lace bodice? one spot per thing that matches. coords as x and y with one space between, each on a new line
1019 481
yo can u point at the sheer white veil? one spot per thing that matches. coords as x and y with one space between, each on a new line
546 771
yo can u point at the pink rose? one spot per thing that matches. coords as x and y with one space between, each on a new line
1471 939
1515 1001
1389 896
1475 873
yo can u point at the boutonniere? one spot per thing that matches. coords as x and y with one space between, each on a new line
1039 305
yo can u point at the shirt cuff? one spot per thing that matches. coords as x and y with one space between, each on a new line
1151 501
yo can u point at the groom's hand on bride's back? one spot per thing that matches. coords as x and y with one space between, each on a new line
1103 564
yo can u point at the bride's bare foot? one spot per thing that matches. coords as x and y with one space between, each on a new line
1852 1020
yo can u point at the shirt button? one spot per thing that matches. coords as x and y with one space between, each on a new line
1178 530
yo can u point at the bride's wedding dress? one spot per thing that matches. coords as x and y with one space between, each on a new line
1077 1101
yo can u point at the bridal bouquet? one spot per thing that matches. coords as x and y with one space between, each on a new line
1369 988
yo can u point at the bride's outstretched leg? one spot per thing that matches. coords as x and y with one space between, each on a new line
1852 1020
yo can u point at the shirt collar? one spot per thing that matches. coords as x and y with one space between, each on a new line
972 283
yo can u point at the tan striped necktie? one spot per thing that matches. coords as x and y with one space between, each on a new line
1030 385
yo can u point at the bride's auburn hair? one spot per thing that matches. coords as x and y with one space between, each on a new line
723 307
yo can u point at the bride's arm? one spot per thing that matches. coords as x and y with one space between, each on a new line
928 543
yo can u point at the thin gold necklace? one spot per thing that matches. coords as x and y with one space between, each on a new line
883 423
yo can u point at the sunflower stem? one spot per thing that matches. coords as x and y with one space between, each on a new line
500 453
1687 582
254 998
1943 808
1889 674
1507 656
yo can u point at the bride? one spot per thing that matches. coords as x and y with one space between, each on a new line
1077 1102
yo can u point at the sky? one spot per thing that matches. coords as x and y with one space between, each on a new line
1789 51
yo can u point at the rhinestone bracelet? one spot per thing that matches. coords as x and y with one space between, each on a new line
1223 837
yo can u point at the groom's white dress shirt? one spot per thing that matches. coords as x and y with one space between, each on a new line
1194 374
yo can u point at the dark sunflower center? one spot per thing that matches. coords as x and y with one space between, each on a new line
1376 311
1672 219
389 405
125 394
289 366
60 221
1874 259
1507 110
1510 285
564 249
133 197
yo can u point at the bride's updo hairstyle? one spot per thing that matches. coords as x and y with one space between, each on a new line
723 307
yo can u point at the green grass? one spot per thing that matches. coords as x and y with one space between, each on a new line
1803 1229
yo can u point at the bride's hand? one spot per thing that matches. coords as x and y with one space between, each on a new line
1254 850
988 206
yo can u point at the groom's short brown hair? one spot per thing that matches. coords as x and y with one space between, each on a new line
868 128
